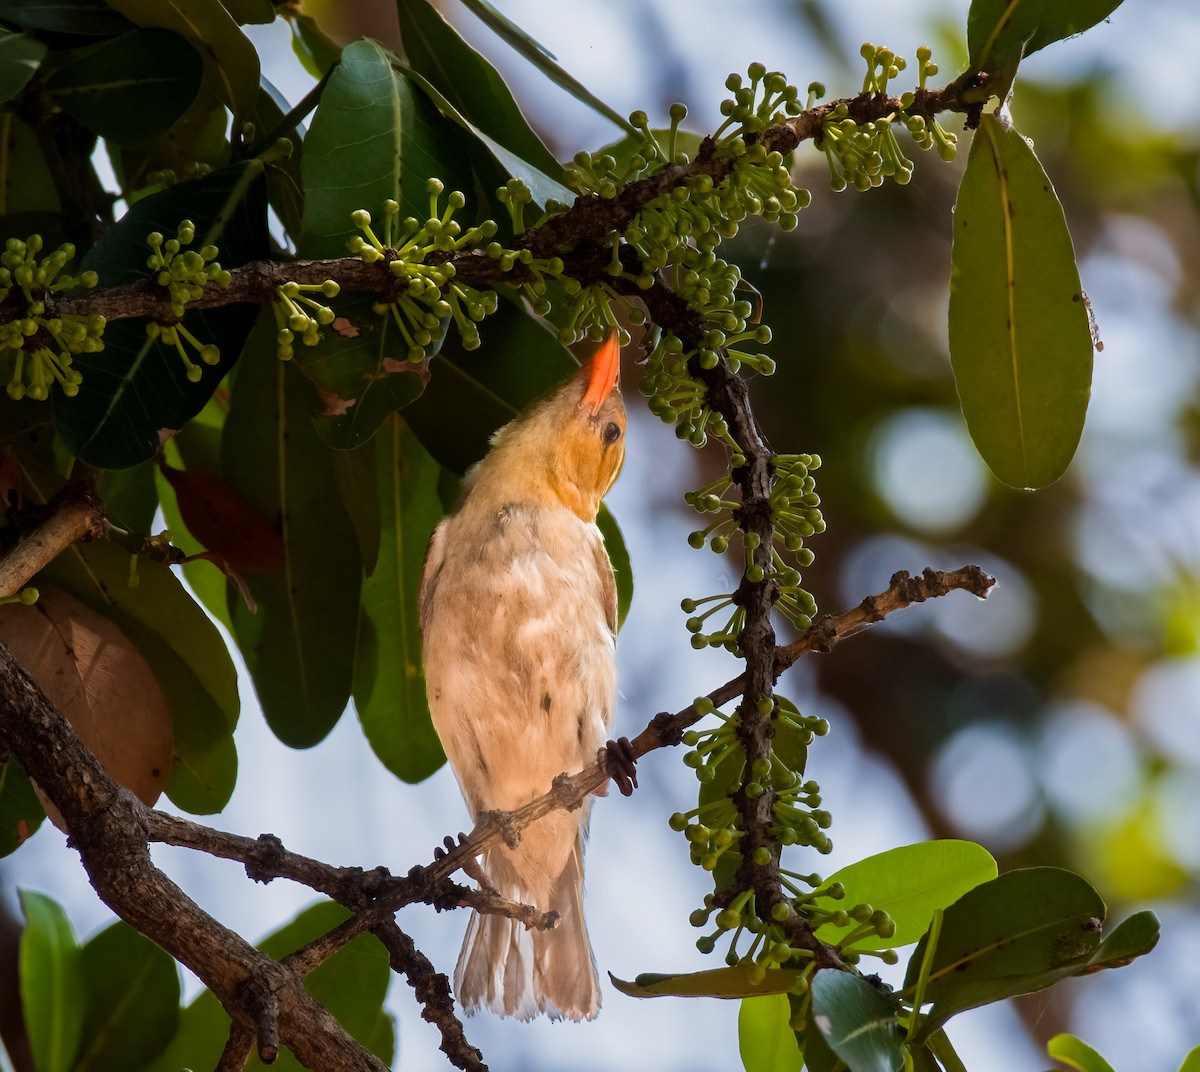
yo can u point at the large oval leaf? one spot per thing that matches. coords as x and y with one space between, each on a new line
1020 340
909 883
132 1001
299 646
389 682
857 1021
188 657
53 994
732 982
766 1040
1077 1054
136 387
20 57
1017 934
131 89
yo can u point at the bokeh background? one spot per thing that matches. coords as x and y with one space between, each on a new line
1057 723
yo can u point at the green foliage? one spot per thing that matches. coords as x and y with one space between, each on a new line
766 1040
858 1022
1019 335
1077 1054
53 988
21 812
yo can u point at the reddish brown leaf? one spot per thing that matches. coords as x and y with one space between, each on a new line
97 678
217 515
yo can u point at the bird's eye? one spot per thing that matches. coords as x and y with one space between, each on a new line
612 432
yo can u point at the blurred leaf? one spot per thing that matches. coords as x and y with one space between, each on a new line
132 88
198 1042
299 647
356 480
1017 934
618 555
85 17
258 12
27 194
1133 858
136 386
53 992
732 982
1131 938
818 1057
542 59
471 393
909 883
187 654
1068 1050
92 672
20 57
858 1021
1191 1063
790 742
285 185
389 682
316 51
470 83
132 1001
232 69
21 812
1020 341
766 1040
130 497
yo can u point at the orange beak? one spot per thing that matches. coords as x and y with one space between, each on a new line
602 372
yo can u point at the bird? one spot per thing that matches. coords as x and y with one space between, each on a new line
518 616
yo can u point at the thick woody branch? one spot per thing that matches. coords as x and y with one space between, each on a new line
109 830
571 235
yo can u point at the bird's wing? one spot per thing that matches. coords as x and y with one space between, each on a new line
608 584
435 555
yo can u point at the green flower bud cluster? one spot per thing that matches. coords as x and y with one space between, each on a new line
416 252
864 155
767 101
796 515
180 339
44 344
292 318
184 272
590 314
714 830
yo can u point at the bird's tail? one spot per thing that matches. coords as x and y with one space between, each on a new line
523 973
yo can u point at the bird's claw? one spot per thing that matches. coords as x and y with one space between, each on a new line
622 764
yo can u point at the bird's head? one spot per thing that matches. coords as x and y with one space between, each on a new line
570 444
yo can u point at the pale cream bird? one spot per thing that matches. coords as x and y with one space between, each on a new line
518 614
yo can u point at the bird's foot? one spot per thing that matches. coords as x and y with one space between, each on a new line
470 866
622 764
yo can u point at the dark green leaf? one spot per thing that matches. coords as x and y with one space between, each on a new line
20 57
53 993
372 139
735 982
26 186
232 70
542 59
910 883
1020 340
857 1021
132 88
199 1041
130 497
91 18
471 393
132 1001
356 480
1073 1052
184 650
285 186
618 555
138 386
469 82
20 810
1131 938
389 683
766 1040
299 647
1017 934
